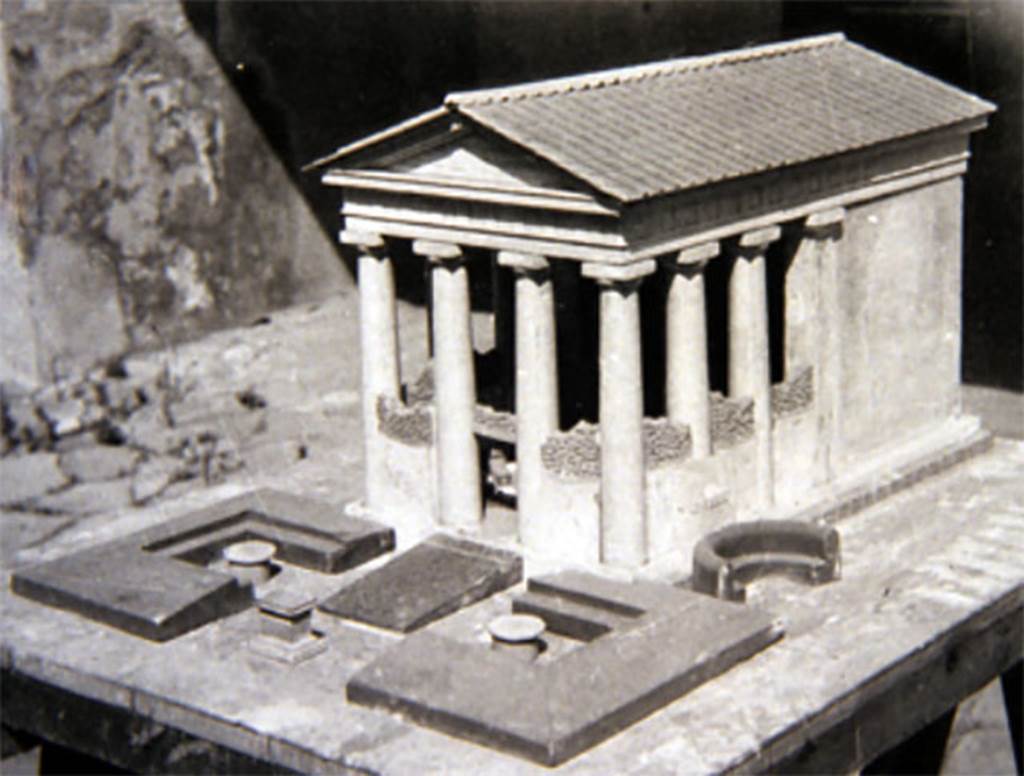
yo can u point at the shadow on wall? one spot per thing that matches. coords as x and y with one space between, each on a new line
317 75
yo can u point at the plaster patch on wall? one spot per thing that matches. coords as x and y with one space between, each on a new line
183 271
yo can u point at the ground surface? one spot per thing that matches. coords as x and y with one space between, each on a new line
296 427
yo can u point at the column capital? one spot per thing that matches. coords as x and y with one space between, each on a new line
624 274
690 261
825 223
437 252
369 243
523 262
755 241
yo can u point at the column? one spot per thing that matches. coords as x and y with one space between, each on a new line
378 342
621 413
687 393
536 388
824 229
458 459
749 365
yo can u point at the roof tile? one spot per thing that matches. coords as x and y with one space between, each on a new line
639 132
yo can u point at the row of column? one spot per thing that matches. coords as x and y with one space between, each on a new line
623 498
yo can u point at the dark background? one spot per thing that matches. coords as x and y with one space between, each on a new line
316 75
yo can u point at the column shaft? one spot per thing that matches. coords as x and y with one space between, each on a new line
536 389
823 231
458 460
378 341
687 392
749 365
621 414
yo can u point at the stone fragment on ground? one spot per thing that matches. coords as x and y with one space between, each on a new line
195 408
26 426
154 476
72 442
99 462
86 499
24 477
144 368
147 429
121 395
21 530
274 455
65 416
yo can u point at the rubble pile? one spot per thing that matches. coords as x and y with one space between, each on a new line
107 439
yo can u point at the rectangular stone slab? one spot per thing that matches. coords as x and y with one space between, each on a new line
427 582
153 597
146 585
549 712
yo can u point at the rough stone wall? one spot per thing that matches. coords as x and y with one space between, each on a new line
794 395
143 204
732 419
576 453
413 425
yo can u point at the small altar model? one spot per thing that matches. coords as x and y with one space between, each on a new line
723 287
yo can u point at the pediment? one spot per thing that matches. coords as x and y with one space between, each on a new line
449 151
472 158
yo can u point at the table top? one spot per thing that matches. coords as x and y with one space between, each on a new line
928 609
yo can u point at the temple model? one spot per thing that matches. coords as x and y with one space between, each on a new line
724 287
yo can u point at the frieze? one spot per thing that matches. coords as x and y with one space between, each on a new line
778 190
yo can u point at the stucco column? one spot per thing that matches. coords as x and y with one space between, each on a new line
824 229
687 395
378 342
458 459
621 414
749 365
536 381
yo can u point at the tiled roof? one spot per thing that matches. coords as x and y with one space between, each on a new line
638 132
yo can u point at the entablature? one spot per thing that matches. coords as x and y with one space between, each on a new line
580 226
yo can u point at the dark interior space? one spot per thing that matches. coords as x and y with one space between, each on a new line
776 263
575 317
716 293
318 75
654 308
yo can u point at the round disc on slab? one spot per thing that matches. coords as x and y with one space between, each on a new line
249 553
515 628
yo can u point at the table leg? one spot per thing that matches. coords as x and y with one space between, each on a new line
922 753
1011 681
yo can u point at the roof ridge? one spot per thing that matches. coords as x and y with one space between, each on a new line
630 73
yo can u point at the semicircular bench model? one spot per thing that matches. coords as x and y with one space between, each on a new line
727 560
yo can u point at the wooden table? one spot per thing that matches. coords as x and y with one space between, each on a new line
929 609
